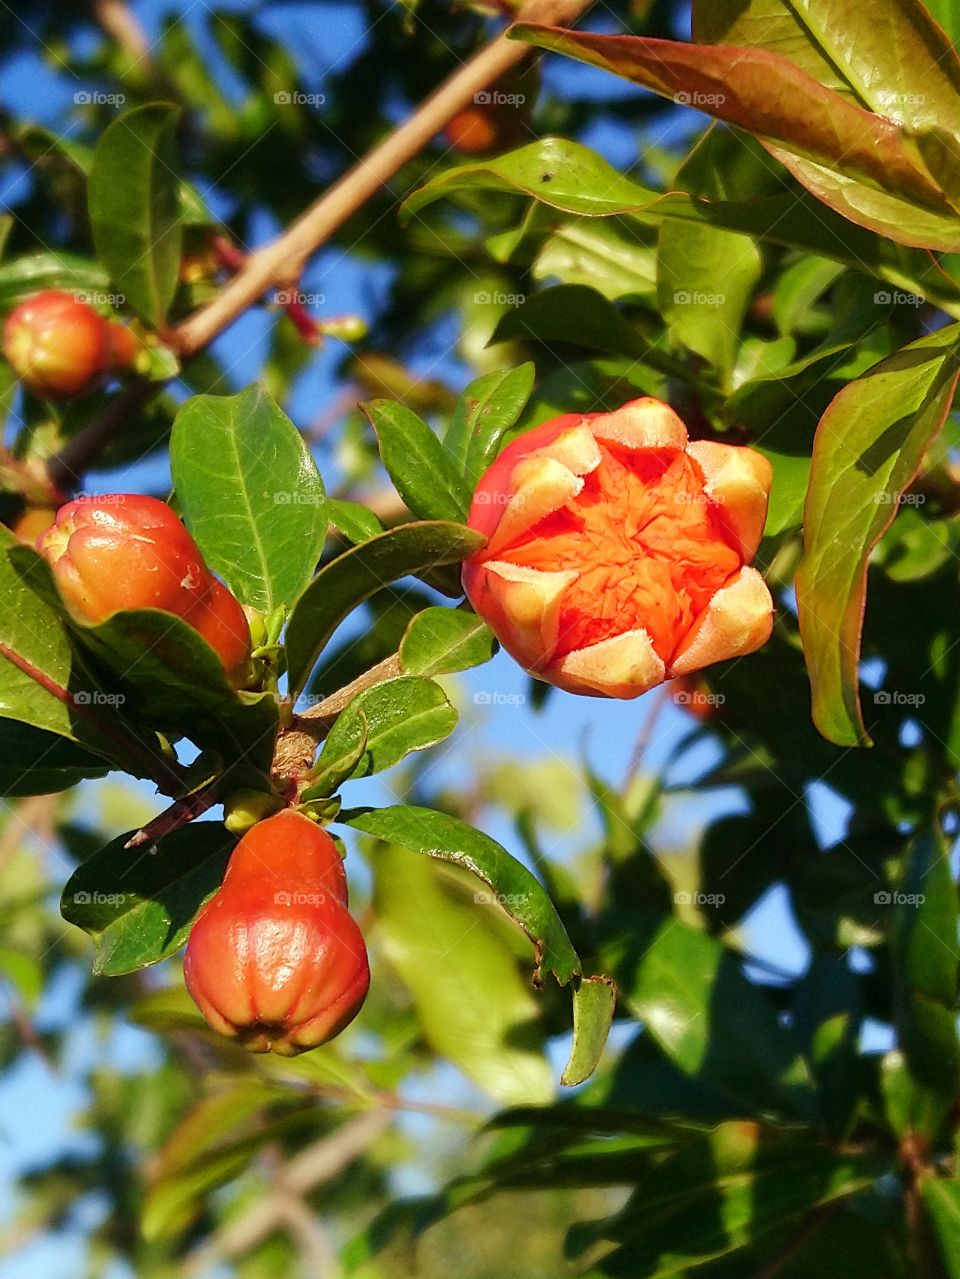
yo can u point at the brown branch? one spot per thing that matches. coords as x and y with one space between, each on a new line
178 814
331 706
304 1172
66 467
282 261
123 27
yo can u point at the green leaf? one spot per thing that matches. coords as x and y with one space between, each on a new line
459 966
36 272
594 1001
35 762
134 205
390 720
42 682
720 1194
600 255
926 968
706 275
899 64
250 493
416 461
574 314
564 175
941 1198
825 140
486 410
353 577
713 1023
354 521
169 678
138 904
440 641
868 447
447 838
212 1146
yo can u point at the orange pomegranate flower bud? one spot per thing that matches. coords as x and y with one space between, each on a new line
275 959
618 551
59 346
122 551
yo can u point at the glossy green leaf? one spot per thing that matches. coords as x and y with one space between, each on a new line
706 275
353 577
391 720
134 205
594 1001
441 641
458 964
169 678
138 904
565 175
50 270
42 682
447 838
250 493
924 941
574 314
354 521
868 447
486 410
941 1198
600 255
722 1194
714 1024
35 762
417 462
826 141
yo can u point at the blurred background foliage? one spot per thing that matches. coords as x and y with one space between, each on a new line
780 1093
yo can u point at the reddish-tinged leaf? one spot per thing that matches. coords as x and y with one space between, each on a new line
790 112
868 447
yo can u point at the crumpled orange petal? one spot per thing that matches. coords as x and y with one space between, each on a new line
618 551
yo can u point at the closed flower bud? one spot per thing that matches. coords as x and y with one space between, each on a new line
618 551
59 346
124 551
275 959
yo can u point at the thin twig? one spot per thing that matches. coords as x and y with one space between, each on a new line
331 706
123 27
282 261
66 467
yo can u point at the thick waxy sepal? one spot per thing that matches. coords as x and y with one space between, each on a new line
737 621
576 449
738 480
623 666
642 424
539 486
524 609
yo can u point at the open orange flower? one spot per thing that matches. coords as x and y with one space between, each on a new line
617 550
